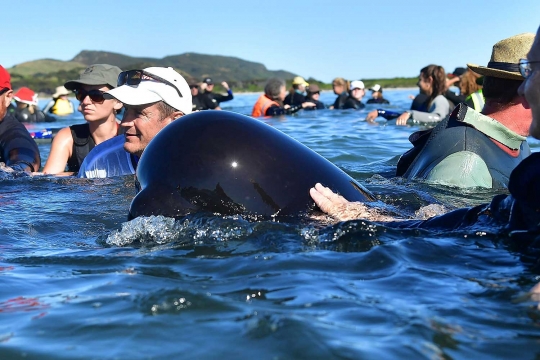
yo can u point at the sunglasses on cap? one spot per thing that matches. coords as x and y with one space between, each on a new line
95 95
525 67
134 77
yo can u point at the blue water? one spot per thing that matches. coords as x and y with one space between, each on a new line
79 282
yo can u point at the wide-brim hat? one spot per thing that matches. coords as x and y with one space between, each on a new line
60 90
505 56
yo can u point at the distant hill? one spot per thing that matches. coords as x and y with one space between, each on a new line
46 74
44 66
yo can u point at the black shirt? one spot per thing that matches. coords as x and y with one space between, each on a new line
353 103
340 100
17 148
378 101
294 98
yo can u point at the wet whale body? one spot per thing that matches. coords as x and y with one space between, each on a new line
227 163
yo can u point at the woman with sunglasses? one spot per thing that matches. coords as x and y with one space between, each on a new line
71 145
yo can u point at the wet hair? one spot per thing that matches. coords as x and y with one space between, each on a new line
438 75
341 82
165 110
469 83
501 91
273 87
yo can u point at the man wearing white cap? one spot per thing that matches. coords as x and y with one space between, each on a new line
356 93
153 98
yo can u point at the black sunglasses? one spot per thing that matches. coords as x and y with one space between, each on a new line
193 86
134 77
95 95
525 67
3 91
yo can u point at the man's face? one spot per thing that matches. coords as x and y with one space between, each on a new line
210 87
141 123
531 87
5 100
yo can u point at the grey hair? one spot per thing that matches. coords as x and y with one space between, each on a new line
165 110
273 88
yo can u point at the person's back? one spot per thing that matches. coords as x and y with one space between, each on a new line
472 149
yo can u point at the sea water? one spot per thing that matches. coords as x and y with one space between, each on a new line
80 282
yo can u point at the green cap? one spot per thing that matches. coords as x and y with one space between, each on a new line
97 74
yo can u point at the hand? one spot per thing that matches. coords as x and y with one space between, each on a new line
402 119
452 81
308 104
411 97
341 209
225 85
372 115
287 106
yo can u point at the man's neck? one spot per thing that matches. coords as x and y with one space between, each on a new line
514 117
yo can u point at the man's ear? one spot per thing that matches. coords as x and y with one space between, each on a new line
8 96
176 115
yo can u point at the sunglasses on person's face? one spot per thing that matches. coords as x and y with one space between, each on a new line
134 77
193 86
3 91
95 95
525 67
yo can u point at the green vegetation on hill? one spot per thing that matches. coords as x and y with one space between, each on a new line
45 75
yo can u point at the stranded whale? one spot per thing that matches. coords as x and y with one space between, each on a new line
227 163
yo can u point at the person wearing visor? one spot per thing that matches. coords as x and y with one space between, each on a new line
18 151
296 95
212 99
153 98
72 144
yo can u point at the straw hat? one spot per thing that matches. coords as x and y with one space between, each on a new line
504 62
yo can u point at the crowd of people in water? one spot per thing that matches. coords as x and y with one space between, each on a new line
478 138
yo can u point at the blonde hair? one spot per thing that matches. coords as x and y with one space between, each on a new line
341 82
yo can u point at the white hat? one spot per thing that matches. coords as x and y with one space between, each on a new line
151 90
357 84
61 90
375 88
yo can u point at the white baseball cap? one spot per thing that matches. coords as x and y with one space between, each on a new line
167 86
375 88
357 84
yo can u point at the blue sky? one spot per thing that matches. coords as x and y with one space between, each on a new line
320 39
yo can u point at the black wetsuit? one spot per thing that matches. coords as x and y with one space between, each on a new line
340 100
378 101
216 99
319 105
454 98
202 103
275 110
24 115
294 98
83 142
353 103
17 148
518 211
420 103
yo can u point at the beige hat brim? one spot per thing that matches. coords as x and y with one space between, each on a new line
503 74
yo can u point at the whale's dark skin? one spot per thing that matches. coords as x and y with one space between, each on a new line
227 163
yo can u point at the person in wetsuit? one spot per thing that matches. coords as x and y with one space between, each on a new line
212 99
199 101
71 145
377 95
271 102
296 95
340 86
473 149
26 110
313 95
18 151
356 93
432 82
